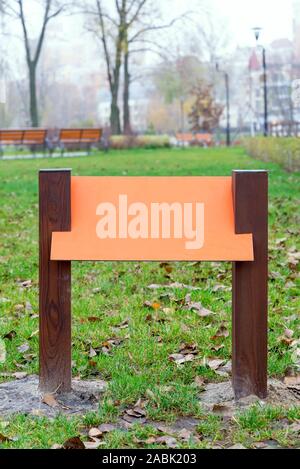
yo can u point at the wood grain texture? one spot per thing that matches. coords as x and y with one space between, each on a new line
55 283
250 286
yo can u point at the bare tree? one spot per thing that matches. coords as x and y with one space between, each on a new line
16 9
142 28
124 28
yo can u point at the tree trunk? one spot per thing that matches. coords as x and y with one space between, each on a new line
126 108
115 123
34 117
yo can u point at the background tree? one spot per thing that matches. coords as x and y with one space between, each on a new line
175 80
124 27
107 22
205 114
16 9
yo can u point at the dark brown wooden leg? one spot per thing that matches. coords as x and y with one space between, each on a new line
55 283
250 286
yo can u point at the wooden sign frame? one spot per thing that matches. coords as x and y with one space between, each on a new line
249 284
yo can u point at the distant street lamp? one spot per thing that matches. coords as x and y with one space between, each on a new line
257 32
226 76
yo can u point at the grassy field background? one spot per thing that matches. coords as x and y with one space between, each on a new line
133 329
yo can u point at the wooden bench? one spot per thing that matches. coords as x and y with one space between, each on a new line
187 139
30 138
81 137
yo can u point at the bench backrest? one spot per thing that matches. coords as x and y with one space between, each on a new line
34 136
189 137
70 135
203 138
10 137
80 135
20 137
91 135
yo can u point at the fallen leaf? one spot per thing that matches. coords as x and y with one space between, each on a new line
221 409
168 441
180 358
221 332
93 444
95 433
92 353
28 306
10 335
213 363
106 428
199 381
4 438
23 348
56 446
295 427
185 435
187 349
50 400
197 307
155 286
19 375
291 381
217 348
74 443
2 351
136 414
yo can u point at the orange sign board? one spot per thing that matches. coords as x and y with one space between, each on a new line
152 218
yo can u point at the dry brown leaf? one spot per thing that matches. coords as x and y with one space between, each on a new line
180 358
92 353
169 441
187 349
185 435
4 439
95 433
74 443
213 363
199 381
291 381
221 332
93 444
10 335
94 319
50 400
106 428
56 446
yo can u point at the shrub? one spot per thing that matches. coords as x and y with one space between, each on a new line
282 150
121 142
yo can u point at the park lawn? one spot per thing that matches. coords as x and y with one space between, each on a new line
112 301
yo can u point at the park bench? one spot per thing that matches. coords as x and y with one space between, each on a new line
30 138
79 138
187 139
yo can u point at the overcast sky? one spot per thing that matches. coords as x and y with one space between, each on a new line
274 16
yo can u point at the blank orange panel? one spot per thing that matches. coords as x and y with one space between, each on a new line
200 226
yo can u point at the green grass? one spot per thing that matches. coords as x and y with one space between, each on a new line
115 291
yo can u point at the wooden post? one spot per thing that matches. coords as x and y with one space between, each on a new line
249 286
55 283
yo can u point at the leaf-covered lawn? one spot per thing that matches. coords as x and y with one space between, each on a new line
141 326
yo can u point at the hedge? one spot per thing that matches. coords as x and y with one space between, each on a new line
140 141
282 150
